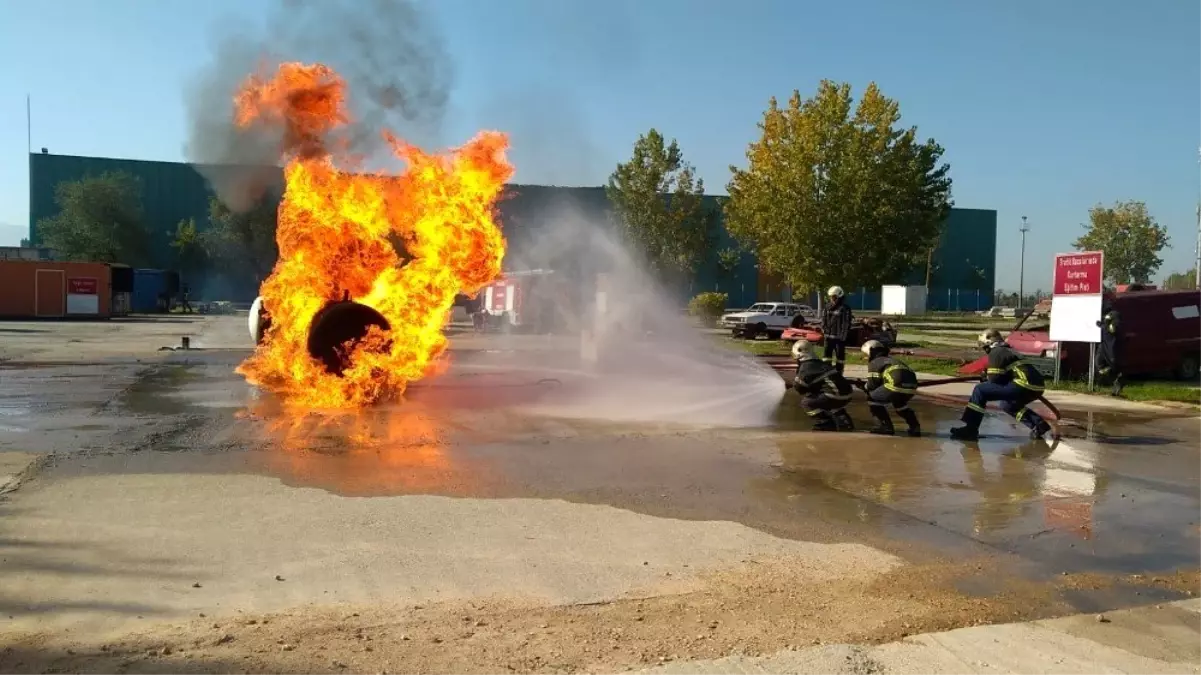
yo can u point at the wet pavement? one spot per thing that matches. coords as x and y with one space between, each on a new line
1117 494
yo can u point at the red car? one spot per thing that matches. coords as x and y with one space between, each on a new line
859 329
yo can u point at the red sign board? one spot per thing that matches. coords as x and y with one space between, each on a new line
83 286
1079 273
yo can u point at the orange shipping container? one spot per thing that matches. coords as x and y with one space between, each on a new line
48 290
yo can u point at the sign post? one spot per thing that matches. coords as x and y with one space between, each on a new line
1076 304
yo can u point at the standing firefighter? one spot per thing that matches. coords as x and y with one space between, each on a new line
889 382
1109 355
836 325
825 392
1010 381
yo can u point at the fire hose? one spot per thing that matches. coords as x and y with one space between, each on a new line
1056 420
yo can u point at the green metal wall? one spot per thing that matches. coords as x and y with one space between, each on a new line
173 191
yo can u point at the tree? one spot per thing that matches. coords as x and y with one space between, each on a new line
242 243
1181 281
99 220
25 243
659 202
1130 238
727 261
831 196
188 246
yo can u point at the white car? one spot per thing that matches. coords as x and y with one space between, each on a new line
765 318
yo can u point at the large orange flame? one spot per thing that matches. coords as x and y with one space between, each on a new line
335 234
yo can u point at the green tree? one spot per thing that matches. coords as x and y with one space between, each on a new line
241 244
659 202
838 194
1181 281
187 244
25 243
1130 238
99 219
727 261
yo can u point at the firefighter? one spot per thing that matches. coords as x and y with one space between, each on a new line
889 382
825 392
1109 355
836 326
1010 381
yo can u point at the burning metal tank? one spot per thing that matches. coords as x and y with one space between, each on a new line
338 323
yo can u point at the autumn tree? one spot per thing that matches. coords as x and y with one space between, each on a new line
241 244
1130 238
659 203
836 193
99 219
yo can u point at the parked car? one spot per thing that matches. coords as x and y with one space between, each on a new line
1161 333
765 318
861 331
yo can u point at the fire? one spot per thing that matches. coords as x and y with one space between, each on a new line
336 230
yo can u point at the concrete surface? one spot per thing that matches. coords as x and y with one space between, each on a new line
1157 639
86 542
156 489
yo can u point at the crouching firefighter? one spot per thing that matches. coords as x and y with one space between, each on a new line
1010 381
889 383
824 392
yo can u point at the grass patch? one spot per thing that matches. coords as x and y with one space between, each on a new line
762 347
854 356
1150 390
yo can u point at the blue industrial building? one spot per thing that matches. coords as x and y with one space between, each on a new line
962 271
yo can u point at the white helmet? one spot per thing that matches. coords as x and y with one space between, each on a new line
835 292
872 346
803 351
989 339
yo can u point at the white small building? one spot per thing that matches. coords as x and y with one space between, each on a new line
903 300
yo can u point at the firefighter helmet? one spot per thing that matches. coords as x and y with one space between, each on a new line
873 348
835 292
803 351
990 339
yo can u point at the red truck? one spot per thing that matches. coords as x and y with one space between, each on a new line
1161 333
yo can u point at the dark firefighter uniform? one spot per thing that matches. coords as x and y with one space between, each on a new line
836 326
890 382
1011 382
1109 352
825 394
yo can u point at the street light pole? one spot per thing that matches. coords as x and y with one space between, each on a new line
1022 272
1197 262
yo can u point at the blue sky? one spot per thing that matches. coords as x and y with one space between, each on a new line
1045 108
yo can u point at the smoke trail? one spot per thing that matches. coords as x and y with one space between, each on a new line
390 55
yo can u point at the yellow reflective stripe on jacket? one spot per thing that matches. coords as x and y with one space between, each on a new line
1019 375
888 384
995 371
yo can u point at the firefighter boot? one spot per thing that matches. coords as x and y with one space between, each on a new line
1034 422
970 431
823 422
910 417
883 421
1117 386
843 420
